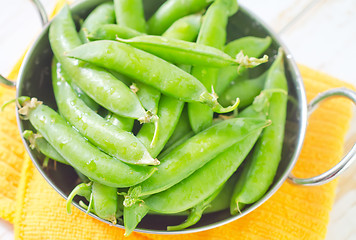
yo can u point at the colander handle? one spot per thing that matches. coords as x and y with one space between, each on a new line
41 11
346 161
44 20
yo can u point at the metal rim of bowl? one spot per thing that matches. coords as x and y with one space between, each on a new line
303 119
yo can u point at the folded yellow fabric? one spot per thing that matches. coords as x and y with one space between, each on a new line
294 212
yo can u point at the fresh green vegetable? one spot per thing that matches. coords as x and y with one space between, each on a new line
171 11
259 172
102 14
77 151
149 69
111 139
212 33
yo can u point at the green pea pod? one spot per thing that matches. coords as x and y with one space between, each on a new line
105 201
122 122
82 95
222 201
98 83
126 80
148 69
195 213
149 96
38 142
83 189
116 142
168 110
213 29
245 90
197 151
77 151
181 130
112 31
171 11
252 47
207 179
125 124
82 177
259 172
102 14
129 13
184 138
133 215
185 28
120 207
212 33
183 52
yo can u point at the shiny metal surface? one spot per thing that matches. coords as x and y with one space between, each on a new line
35 80
350 156
41 11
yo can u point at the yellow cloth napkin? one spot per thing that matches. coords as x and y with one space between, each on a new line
293 212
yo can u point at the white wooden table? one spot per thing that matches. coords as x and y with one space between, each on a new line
320 34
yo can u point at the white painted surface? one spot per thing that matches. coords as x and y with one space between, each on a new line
320 34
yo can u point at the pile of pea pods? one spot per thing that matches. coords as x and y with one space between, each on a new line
157 116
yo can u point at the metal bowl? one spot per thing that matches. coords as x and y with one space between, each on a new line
35 81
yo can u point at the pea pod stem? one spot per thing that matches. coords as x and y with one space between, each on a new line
195 213
249 62
252 47
91 203
83 189
7 103
194 216
211 99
